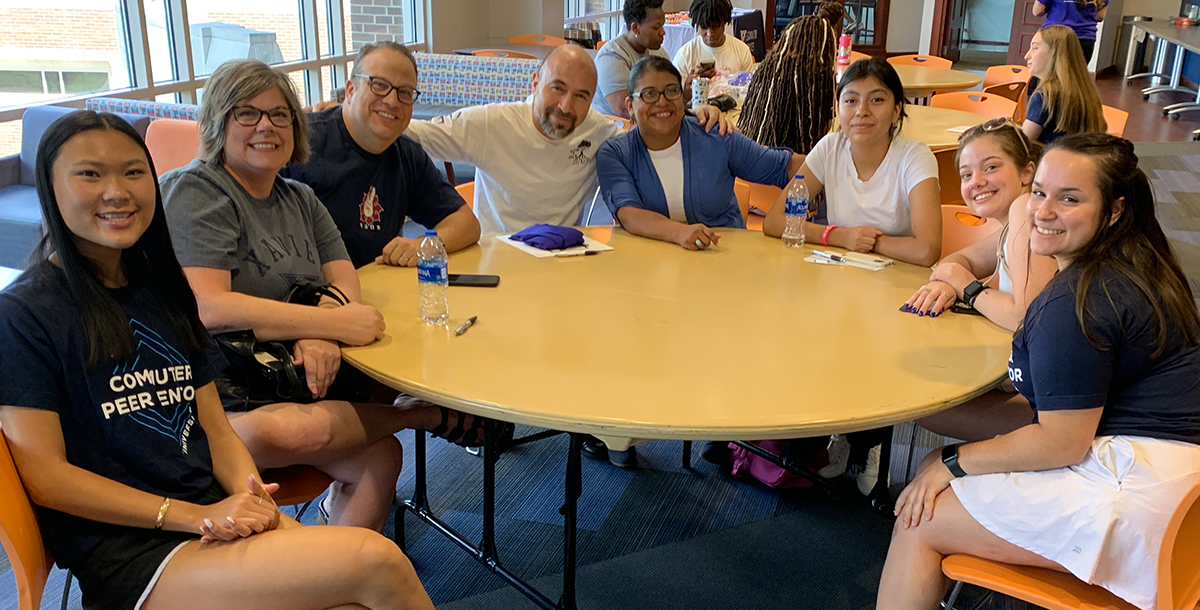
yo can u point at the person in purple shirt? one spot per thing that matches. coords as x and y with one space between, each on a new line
1082 16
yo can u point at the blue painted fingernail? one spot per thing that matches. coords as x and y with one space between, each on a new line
934 314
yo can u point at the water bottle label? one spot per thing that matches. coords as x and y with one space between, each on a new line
432 274
796 207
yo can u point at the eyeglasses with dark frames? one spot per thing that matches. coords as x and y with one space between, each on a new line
250 116
651 95
382 88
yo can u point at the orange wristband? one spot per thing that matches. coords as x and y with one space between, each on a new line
825 235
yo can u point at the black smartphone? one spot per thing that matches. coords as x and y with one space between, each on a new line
478 281
960 307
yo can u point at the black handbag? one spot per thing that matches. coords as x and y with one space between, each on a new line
263 372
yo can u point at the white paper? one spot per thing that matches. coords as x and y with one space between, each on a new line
589 245
959 129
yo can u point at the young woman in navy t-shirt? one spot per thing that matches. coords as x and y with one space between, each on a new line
1109 358
107 402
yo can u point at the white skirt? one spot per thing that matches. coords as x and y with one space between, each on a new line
1102 519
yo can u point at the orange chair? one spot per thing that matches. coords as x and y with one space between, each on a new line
975 101
961 228
600 45
502 53
929 61
625 124
1012 91
20 535
762 197
1115 117
948 178
298 484
1178 573
466 190
855 56
172 142
999 75
542 39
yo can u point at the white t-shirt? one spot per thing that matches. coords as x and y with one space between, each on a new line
732 57
522 177
668 164
881 202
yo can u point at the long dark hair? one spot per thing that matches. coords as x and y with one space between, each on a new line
150 262
1134 245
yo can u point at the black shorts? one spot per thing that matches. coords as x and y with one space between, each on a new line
117 573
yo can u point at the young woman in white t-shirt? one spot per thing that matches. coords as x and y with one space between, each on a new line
881 188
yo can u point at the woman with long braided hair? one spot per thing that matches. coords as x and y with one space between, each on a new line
791 97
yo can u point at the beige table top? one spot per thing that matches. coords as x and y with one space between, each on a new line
929 125
920 81
745 341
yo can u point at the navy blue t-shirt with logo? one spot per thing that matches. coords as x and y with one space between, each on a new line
134 422
1056 368
370 195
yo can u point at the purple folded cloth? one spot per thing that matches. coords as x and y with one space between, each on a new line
549 237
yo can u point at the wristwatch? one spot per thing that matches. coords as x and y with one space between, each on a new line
972 291
950 459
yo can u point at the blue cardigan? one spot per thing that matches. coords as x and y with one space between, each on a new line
710 163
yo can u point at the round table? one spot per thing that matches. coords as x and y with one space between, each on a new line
651 341
930 125
922 81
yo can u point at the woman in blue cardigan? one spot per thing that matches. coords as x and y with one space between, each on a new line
667 178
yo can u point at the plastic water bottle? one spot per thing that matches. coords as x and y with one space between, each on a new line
433 278
795 213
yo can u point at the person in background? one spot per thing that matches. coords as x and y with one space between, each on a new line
643 36
371 177
712 52
535 160
245 236
144 491
1082 16
1065 100
1109 358
790 101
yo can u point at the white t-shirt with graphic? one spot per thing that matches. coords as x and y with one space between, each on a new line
522 177
732 57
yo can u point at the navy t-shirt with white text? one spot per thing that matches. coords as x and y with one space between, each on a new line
134 422
1056 368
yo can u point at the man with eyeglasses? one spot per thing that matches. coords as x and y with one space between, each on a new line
369 176
535 160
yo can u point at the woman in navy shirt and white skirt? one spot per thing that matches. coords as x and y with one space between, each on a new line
1108 357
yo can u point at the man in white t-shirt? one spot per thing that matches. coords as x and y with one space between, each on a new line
712 52
535 160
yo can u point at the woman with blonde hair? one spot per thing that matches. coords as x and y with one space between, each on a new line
1066 100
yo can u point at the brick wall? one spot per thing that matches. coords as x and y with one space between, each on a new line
375 21
43 29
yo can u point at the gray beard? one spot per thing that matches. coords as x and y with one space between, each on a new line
552 132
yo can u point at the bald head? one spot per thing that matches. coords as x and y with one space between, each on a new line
570 59
563 87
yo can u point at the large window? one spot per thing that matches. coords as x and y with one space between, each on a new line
605 13
63 51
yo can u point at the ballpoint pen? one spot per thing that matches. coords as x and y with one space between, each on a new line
465 325
829 255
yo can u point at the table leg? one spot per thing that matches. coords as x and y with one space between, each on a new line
687 455
1160 61
491 431
880 498
420 500
574 489
1176 74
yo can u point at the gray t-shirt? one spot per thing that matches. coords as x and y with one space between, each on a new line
269 245
613 64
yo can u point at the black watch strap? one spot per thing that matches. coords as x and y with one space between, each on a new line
973 290
950 459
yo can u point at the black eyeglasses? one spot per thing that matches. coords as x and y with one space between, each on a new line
382 88
250 116
650 95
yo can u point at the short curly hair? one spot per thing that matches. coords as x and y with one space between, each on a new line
636 11
710 14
